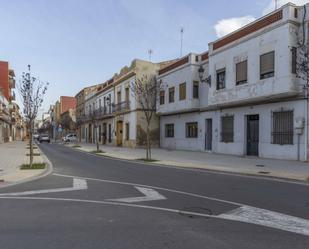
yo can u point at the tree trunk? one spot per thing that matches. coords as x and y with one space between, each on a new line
97 140
148 143
31 145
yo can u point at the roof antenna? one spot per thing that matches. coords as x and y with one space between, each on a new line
150 52
276 4
181 39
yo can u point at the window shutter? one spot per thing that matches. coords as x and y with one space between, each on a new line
267 63
241 72
182 91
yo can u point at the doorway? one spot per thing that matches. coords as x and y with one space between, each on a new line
119 133
253 135
104 133
208 134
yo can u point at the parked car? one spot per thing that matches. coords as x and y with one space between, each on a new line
69 138
44 138
36 136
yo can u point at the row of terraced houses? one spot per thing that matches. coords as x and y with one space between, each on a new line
241 97
12 125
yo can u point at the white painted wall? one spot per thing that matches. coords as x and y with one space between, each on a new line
186 73
238 147
284 82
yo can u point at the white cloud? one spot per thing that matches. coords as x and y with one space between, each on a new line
225 26
271 6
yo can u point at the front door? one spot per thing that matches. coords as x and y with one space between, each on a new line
208 134
119 133
253 135
90 133
104 135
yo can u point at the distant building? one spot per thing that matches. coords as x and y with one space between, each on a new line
112 114
7 107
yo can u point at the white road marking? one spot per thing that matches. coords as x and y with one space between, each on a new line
155 187
268 218
78 184
227 216
150 195
301 226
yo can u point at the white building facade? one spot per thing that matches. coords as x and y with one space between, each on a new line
249 100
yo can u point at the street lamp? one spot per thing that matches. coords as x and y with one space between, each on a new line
201 72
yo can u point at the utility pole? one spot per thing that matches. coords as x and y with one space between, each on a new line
181 39
150 52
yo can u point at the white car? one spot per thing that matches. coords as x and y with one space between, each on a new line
70 138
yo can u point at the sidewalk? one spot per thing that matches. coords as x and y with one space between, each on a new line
13 155
244 165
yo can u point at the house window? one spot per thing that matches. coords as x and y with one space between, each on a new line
169 130
182 91
227 129
162 97
241 72
221 79
282 130
127 131
195 89
267 65
171 95
127 94
119 97
191 130
294 60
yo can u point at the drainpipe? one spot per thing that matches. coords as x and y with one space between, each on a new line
306 121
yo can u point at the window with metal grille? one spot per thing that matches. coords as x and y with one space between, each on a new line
162 97
227 129
182 91
191 130
267 65
171 95
294 59
169 130
282 130
221 79
195 89
241 72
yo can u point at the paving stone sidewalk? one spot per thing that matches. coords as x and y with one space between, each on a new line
13 155
227 163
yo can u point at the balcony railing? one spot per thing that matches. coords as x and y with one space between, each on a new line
103 111
12 83
96 114
122 106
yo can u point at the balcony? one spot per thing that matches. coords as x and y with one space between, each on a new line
12 83
103 112
122 106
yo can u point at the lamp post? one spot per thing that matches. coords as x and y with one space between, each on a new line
201 72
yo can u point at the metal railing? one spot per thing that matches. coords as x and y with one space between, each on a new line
122 106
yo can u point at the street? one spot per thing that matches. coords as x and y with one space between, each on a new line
92 201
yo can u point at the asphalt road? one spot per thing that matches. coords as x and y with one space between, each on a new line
95 202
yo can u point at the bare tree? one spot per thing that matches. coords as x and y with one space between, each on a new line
32 91
95 127
300 56
146 90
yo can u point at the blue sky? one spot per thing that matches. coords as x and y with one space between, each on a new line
75 43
